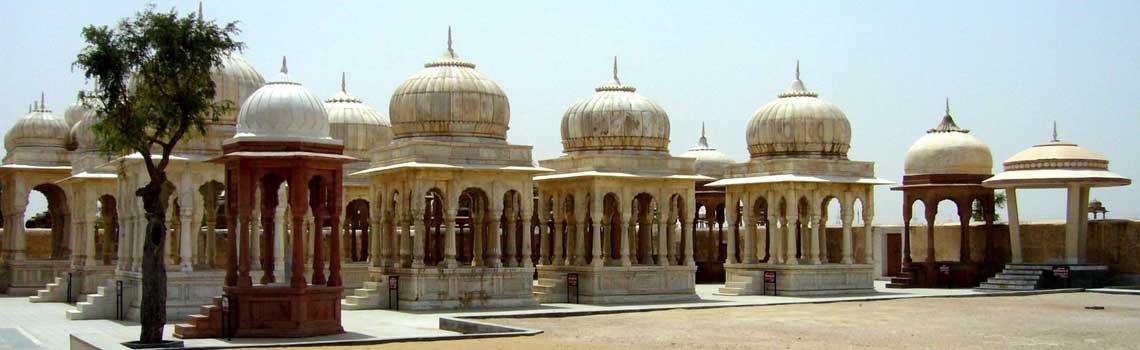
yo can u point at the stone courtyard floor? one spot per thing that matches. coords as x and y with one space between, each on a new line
1047 321
721 322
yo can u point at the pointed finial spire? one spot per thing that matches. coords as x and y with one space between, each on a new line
1055 139
201 17
702 130
342 89
797 69
284 66
615 71
948 105
42 104
449 49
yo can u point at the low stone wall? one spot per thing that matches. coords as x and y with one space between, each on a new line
1115 243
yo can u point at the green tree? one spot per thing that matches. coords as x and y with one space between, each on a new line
999 202
152 90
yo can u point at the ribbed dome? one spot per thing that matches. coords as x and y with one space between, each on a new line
39 129
450 101
710 162
234 81
74 112
948 149
81 133
360 126
799 124
615 118
283 110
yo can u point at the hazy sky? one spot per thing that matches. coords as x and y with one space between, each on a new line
1009 68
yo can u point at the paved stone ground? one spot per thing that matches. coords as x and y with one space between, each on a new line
1046 321
43 326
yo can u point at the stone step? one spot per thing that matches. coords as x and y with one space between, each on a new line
992 286
1023 272
730 291
52 292
1028 267
1026 277
100 305
1020 282
738 285
899 285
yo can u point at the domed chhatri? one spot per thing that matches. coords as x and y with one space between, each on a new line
450 101
358 125
75 112
799 124
283 110
948 149
710 161
1056 163
82 134
39 131
615 118
234 80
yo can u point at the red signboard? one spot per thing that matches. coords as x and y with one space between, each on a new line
393 282
769 276
572 280
1061 271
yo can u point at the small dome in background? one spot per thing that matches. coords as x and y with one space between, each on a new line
283 110
799 124
361 127
710 162
948 149
450 101
234 81
615 119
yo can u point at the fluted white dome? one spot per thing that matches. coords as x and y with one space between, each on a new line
82 135
799 124
234 81
450 101
74 112
710 162
948 149
615 118
38 129
360 126
283 110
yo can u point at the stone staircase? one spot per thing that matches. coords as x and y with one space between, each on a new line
372 296
1016 277
99 306
905 279
55 292
550 290
740 285
206 324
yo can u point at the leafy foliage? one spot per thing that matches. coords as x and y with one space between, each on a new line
152 80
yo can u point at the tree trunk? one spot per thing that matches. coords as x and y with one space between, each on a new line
153 306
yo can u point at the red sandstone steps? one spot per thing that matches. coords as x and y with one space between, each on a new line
206 324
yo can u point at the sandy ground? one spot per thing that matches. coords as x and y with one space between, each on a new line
1052 321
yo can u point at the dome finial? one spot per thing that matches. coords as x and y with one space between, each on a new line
342 89
449 49
201 18
797 69
703 143
284 66
618 81
947 124
1055 139
42 104
947 105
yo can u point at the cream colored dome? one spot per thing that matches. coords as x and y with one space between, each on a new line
234 81
450 101
799 124
283 110
710 162
360 126
38 129
615 118
81 133
948 149
74 112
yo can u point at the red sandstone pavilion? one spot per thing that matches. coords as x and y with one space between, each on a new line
282 140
